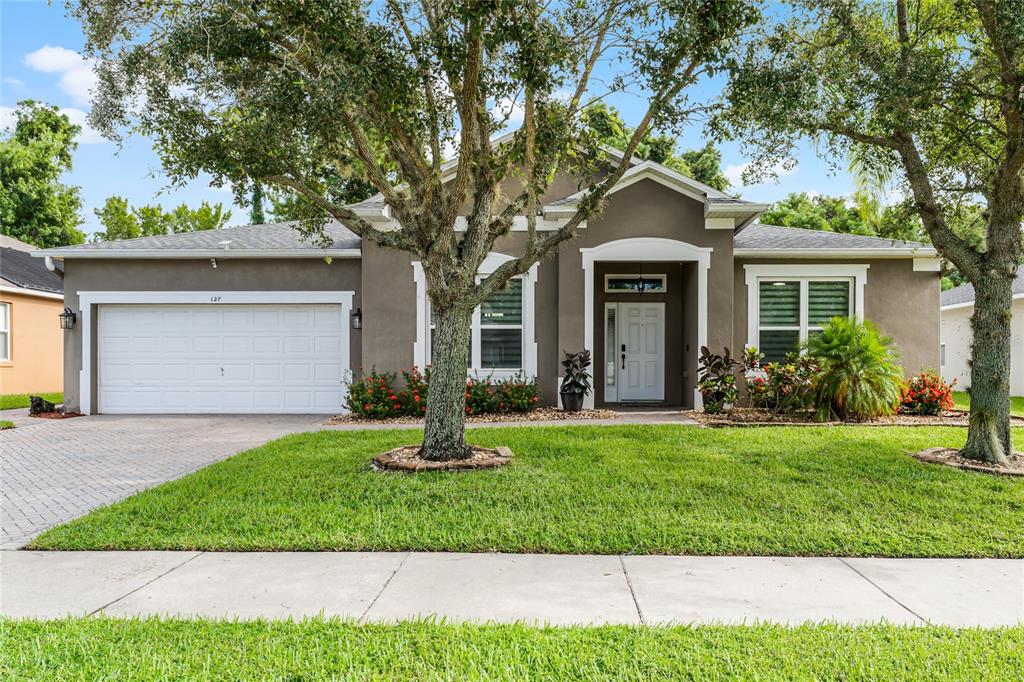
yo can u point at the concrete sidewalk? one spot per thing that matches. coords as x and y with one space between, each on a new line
534 588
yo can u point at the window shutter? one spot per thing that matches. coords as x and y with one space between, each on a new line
780 304
827 300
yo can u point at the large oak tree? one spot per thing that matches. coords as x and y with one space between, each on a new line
275 91
932 90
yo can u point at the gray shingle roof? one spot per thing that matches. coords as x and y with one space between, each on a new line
758 236
267 237
26 272
965 292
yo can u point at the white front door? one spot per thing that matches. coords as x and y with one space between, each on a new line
642 351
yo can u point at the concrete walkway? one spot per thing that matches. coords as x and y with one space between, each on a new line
534 588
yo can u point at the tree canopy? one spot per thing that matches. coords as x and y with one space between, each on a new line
704 165
926 94
35 206
838 214
121 221
385 94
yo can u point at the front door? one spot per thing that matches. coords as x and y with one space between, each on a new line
641 363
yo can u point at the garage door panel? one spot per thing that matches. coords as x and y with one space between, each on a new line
195 358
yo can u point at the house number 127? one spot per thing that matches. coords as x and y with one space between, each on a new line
214 299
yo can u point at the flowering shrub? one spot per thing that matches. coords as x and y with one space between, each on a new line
516 394
413 397
375 397
927 393
480 396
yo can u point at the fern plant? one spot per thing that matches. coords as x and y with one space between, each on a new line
860 376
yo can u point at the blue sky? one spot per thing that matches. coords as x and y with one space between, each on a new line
39 60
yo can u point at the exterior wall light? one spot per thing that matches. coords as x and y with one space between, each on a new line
357 319
67 319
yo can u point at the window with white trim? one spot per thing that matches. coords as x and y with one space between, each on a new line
496 344
5 331
790 309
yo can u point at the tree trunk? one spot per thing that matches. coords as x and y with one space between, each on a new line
988 436
444 434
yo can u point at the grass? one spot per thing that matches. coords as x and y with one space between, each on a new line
98 648
962 399
848 491
6 424
12 401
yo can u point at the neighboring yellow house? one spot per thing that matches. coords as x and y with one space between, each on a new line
31 340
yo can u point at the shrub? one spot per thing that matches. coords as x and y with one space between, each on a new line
480 396
789 385
716 380
927 393
860 377
413 398
374 396
516 394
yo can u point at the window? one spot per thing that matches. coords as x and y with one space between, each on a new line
792 309
497 338
630 284
5 331
942 355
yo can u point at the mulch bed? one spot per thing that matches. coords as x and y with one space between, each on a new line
541 414
748 416
951 458
407 458
56 415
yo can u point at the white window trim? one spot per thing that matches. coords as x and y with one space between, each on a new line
646 249
88 299
858 273
662 278
5 349
421 347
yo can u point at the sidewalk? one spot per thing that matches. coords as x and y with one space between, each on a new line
534 588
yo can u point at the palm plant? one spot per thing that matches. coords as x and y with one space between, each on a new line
860 377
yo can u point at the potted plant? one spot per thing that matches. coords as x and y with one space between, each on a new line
575 381
716 380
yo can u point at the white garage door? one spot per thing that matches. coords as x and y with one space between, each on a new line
220 358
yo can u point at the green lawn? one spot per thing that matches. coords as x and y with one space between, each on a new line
963 402
6 424
11 401
849 491
97 648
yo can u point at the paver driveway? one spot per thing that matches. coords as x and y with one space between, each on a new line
54 471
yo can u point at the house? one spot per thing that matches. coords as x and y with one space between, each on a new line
956 335
254 319
31 342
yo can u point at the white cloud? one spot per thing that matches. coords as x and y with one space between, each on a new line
14 82
735 174
77 77
88 135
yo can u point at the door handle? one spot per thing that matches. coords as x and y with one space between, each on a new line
623 356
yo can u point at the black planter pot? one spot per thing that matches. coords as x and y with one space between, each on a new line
572 402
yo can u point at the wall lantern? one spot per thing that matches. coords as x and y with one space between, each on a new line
67 319
357 319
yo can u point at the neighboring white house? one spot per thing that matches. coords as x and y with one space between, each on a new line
957 306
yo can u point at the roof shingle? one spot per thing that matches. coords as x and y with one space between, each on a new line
22 270
965 292
758 236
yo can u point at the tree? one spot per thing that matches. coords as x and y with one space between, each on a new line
288 205
120 221
934 91
35 206
704 165
277 91
256 216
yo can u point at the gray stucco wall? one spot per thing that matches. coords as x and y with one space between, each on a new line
903 303
309 274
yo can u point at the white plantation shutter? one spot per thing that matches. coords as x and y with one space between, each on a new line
789 310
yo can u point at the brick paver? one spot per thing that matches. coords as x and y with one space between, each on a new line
54 471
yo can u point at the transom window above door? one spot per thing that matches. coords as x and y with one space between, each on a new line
792 309
635 284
